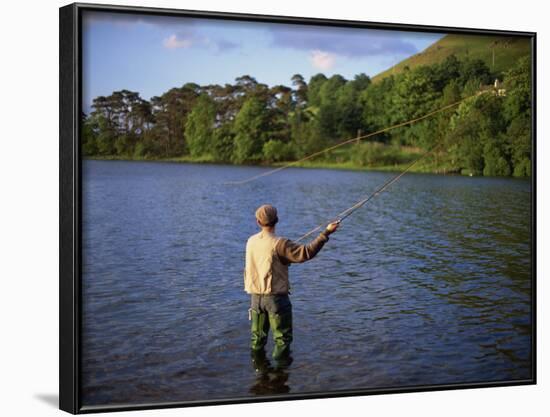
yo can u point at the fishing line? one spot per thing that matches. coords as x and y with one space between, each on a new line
355 139
349 211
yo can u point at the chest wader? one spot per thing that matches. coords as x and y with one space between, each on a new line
275 312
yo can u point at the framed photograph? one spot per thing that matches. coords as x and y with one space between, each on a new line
258 208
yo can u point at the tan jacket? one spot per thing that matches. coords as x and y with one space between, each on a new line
267 260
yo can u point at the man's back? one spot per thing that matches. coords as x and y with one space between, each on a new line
267 260
264 272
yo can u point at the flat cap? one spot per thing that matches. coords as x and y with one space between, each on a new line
267 215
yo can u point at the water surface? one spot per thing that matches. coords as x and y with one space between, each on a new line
429 283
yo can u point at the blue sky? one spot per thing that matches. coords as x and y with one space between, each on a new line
151 54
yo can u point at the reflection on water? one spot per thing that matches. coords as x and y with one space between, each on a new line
430 283
270 379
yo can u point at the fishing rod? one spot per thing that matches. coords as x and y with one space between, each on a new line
349 211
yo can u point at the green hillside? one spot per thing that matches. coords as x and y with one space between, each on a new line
507 50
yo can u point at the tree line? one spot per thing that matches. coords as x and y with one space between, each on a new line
249 122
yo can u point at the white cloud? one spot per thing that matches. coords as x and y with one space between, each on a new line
187 39
322 60
173 42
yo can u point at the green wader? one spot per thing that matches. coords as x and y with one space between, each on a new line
275 312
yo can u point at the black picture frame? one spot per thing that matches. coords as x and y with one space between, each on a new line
70 202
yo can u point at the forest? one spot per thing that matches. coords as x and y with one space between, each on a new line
248 122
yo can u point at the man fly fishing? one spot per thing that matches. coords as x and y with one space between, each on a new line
266 280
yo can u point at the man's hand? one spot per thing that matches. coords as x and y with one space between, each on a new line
332 227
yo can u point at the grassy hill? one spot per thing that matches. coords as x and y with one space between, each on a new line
506 52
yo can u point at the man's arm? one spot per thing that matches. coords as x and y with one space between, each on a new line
294 252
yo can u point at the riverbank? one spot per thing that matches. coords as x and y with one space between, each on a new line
339 159
424 168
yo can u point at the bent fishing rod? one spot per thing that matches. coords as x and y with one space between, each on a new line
349 211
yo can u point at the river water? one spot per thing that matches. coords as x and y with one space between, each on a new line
429 283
